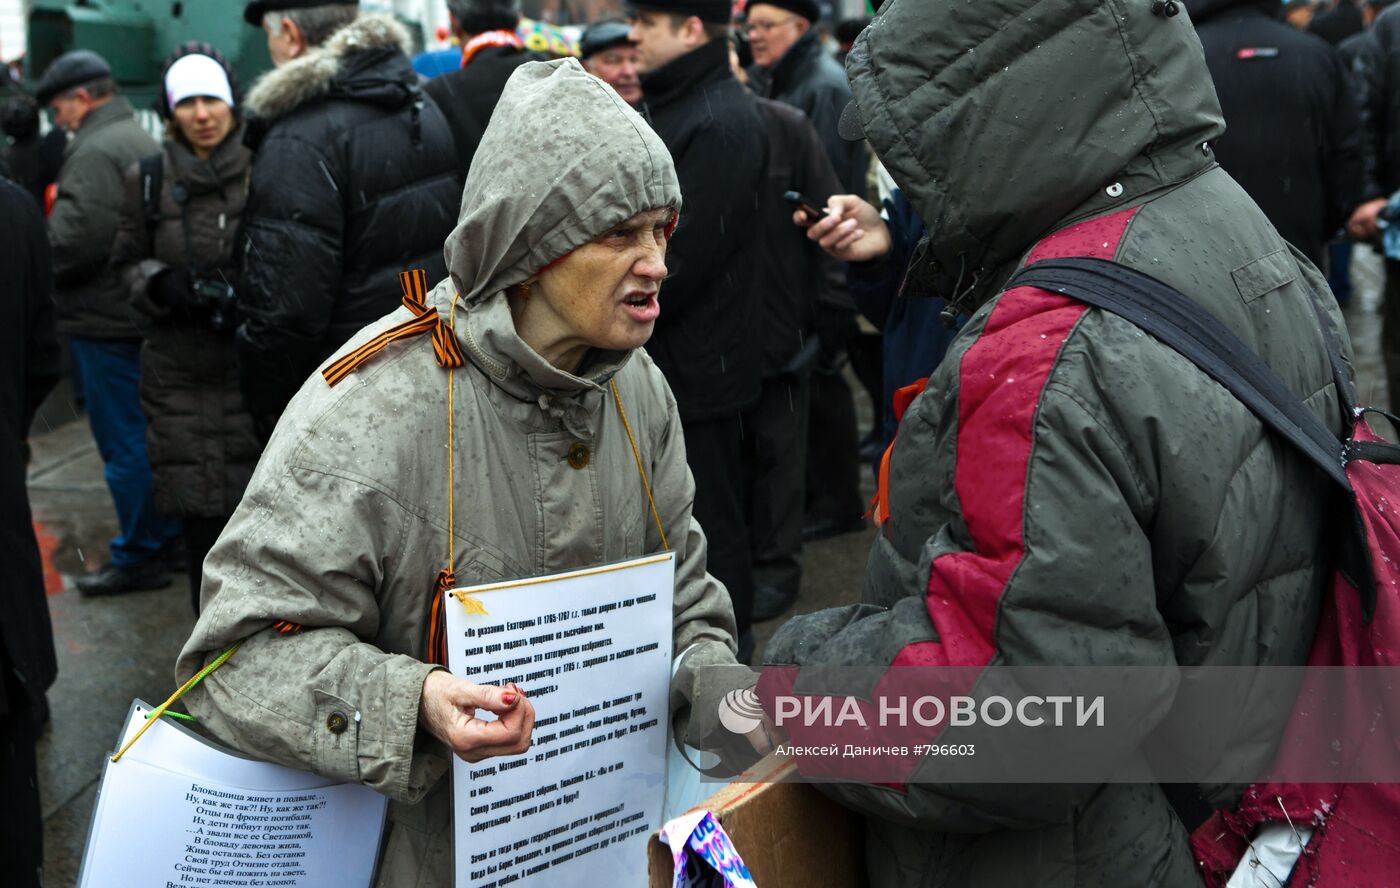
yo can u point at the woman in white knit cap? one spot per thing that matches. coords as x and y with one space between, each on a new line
175 245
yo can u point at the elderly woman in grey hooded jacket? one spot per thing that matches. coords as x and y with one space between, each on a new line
326 571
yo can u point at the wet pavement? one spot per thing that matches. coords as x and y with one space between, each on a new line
111 650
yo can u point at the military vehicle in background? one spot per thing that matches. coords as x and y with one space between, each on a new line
135 36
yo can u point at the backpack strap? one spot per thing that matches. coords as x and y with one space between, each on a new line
152 169
1185 326
1188 328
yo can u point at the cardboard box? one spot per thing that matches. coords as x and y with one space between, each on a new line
787 833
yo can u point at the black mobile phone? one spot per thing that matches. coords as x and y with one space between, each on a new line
804 203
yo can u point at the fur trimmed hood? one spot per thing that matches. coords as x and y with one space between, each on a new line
314 75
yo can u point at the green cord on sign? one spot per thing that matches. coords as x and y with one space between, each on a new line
161 709
179 715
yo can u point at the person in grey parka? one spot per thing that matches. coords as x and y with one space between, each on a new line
554 272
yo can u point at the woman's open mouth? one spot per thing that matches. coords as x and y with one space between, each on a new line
643 307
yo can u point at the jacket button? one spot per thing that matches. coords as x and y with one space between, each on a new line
578 455
336 723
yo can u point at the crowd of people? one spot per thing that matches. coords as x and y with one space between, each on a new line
262 312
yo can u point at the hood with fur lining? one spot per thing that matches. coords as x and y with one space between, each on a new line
325 71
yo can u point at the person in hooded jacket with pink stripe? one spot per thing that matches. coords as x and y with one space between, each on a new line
1068 491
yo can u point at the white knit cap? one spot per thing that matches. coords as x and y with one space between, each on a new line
196 75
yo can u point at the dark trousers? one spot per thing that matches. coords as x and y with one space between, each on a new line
715 451
110 375
833 451
778 487
1339 270
21 821
200 536
867 351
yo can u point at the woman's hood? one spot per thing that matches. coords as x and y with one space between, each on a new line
562 161
1003 119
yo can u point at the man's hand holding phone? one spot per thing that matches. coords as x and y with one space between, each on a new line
850 230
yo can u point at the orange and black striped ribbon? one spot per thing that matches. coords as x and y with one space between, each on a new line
445 345
448 352
287 627
437 618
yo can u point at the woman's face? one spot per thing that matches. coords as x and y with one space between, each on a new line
604 294
204 122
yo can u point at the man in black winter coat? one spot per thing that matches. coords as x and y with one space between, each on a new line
491 51
791 66
29 368
354 180
706 341
1292 137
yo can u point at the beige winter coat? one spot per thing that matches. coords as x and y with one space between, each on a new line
344 525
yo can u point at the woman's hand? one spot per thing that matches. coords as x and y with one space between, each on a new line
851 230
447 710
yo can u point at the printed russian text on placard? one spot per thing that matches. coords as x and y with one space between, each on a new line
592 651
178 810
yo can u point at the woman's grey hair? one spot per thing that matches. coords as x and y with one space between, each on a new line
98 89
317 23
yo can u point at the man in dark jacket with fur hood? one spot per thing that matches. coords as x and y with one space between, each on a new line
1069 491
353 181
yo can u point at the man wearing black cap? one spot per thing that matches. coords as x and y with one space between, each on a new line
608 53
91 306
491 51
705 341
354 180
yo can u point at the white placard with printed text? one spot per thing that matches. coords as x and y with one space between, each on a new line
592 651
178 811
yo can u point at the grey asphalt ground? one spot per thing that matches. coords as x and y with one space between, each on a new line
111 650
